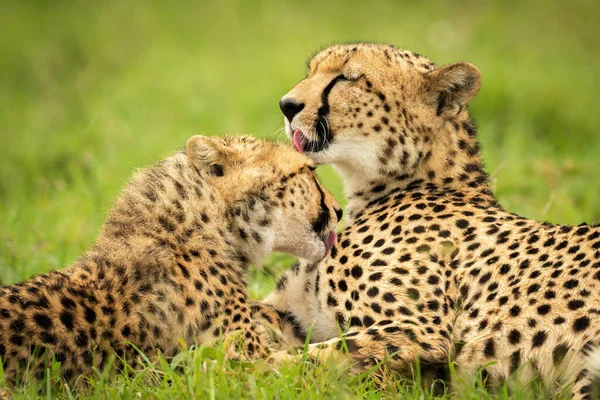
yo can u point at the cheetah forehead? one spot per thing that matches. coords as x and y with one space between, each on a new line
284 158
363 56
263 154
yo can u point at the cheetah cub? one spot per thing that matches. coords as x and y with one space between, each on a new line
171 259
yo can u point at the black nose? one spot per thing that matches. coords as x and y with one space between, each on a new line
290 107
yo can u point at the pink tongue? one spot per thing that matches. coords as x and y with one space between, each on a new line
299 140
330 240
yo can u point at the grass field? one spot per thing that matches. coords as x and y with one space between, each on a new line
92 90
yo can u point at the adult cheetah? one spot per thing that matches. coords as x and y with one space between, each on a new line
430 265
171 259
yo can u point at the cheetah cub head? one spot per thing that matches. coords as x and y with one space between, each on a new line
270 194
377 112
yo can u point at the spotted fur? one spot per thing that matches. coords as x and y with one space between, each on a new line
170 262
430 265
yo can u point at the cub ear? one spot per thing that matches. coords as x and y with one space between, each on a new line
450 88
207 154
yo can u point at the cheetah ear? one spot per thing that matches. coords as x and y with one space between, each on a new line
450 88
207 154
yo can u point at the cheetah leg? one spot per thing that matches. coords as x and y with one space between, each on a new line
293 300
245 343
396 347
274 326
242 336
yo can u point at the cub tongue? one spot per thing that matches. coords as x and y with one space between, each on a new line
299 140
330 240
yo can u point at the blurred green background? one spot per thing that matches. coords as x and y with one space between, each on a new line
92 90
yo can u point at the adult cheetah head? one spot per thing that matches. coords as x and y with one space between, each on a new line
271 193
375 110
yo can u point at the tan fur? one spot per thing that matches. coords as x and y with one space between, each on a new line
170 262
429 264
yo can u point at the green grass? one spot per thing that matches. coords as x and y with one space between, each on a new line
92 90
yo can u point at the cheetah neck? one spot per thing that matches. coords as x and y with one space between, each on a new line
452 162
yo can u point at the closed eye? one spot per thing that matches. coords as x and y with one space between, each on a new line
353 78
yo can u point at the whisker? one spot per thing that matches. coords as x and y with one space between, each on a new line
278 133
326 131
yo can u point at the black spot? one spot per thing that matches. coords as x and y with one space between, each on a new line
572 283
514 337
90 315
376 276
462 223
559 353
68 303
544 309
81 340
532 323
389 297
515 310
485 278
515 361
559 320
17 340
581 324
413 293
433 305
47 338
43 321
331 301
504 269
368 321
539 338
489 349
356 272
126 331
575 304
67 319
405 311
533 288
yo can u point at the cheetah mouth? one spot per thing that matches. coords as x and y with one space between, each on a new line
299 140
329 241
304 144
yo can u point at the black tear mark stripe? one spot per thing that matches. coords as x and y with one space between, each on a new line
324 134
324 109
323 218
